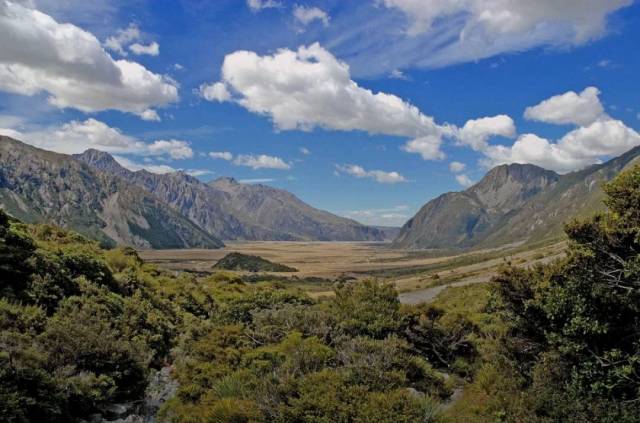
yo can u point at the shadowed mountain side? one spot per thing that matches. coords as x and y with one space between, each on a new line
41 186
512 204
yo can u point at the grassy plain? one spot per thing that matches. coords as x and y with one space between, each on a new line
319 263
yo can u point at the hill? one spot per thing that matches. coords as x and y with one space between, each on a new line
41 186
249 263
512 204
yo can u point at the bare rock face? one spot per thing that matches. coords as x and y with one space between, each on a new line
512 204
41 186
230 210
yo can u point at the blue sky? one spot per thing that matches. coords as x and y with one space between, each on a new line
364 108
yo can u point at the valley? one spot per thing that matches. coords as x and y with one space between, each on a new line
413 273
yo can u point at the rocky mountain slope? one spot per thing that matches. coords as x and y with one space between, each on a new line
235 211
512 204
41 186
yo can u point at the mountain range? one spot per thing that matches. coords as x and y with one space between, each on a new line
512 204
94 195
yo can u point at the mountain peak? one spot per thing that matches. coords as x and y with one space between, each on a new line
506 186
102 161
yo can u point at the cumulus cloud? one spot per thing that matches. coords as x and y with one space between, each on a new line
39 54
151 49
77 136
457 167
254 161
304 15
176 149
578 148
258 5
574 108
223 155
597 136
214 92
136 166
464 180
428 147
305 151
122 38
377 175
476 132
261 161
150 115
310 88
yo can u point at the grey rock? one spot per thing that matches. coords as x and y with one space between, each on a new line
41 186
512 204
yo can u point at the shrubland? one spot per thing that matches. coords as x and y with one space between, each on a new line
82 328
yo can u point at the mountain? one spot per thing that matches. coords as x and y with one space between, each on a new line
512 204
234 211
41 186
283 211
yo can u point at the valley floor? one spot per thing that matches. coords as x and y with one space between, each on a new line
419 276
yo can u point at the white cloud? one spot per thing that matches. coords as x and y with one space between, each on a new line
77 136
476 132
305 151
440 33
176 149
579 148
377 175
305 15
151 49
457 167
392 216
261 161
576 20
223 155
428 147
580 109
258 5
214 92
39 54
398 74
255 161
150 115
310 88
464 180
122 38
135 166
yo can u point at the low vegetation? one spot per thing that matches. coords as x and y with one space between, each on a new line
82 328
249 263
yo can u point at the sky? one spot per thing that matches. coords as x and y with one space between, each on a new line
365 108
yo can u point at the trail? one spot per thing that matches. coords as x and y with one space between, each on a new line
429 294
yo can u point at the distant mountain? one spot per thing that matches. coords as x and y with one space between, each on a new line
282 211
390 232
234 211
512 204
41 186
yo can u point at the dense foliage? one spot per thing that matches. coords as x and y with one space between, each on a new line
82 328
573 346
249 263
